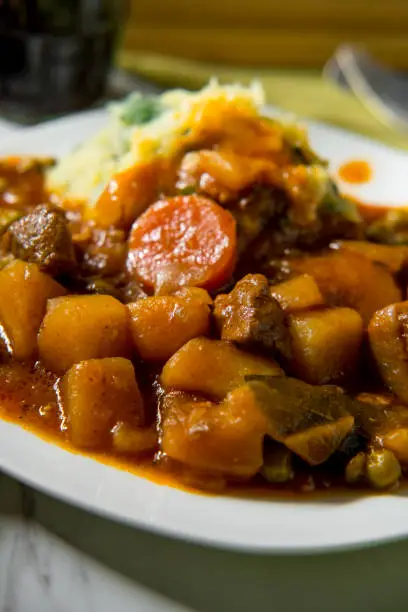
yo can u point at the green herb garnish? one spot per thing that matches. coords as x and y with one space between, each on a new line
138 109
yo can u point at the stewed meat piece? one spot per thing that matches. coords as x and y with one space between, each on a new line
43 237
250 315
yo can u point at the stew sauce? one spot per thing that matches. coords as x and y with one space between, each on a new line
209 338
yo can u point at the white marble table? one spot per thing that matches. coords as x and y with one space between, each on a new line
57 558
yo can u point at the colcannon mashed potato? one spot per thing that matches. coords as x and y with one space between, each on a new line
141 128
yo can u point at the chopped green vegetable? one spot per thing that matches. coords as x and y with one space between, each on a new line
138 109
297 137
277 466
292 405
312 421
316 444
304 155
189 190
334 203
391 228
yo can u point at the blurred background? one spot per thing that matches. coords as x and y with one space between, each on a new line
268 33
59 56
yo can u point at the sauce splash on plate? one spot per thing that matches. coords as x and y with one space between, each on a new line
356 172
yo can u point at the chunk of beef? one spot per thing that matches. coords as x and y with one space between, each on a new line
43 237
250 315
105 253
254 210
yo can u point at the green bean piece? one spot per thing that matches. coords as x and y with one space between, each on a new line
277 466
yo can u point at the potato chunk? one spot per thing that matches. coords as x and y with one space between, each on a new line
24 292
160 325
392 256
224 438
326 344
95 396
80 327
387 332
130 440
213 367
350 279
396 440
299 293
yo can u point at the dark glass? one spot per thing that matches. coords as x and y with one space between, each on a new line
55 54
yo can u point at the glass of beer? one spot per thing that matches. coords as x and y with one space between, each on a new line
55 55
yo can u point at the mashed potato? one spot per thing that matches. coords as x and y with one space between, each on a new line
142 127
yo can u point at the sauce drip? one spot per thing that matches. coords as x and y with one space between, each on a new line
356 172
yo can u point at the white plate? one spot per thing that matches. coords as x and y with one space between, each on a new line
284 526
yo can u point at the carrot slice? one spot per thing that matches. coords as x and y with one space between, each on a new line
185 240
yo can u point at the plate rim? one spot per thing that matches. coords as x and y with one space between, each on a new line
334 545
